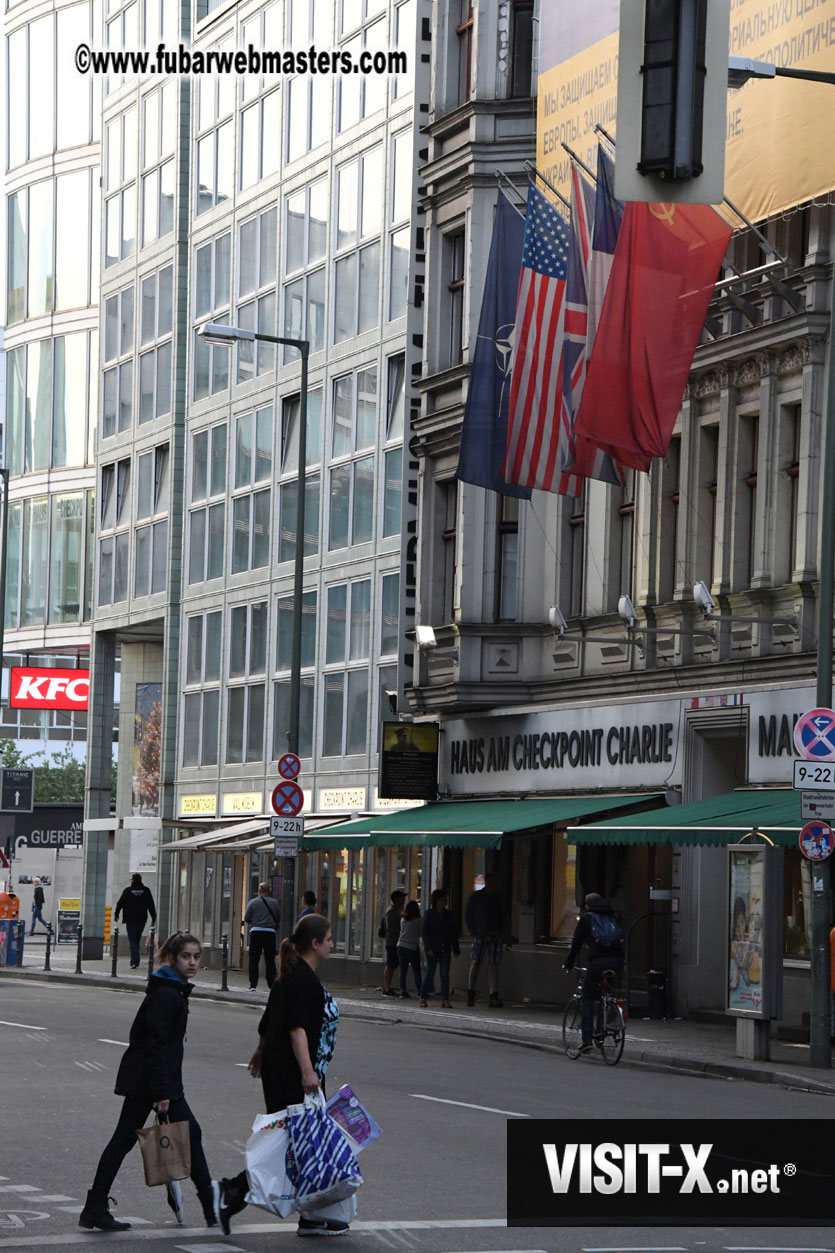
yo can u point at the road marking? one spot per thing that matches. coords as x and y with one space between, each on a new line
635 1248
27 1026
52 1199
210 1248
123 1044
18 1187
772 1248
486 1109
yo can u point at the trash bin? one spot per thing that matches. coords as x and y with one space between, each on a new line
9 905
657 990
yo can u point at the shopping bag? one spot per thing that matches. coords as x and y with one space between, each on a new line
324 1163
166 1151
268 1159
346 1108
341 1212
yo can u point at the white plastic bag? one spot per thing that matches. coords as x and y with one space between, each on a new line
341 1211
270 1185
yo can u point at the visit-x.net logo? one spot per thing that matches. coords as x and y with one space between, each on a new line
610 1172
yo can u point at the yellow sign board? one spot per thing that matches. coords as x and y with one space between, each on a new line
69 902
242 803
774 157
204 806
342 798
108 922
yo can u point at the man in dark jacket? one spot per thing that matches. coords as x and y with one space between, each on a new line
602 956
38 901
262 917
136 903
390 933
487 924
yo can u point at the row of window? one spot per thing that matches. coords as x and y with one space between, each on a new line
149 526
49 576
51 397
50 263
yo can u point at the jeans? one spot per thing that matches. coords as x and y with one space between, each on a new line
441 961
37 916
408 957
133 1116
261 942
134 930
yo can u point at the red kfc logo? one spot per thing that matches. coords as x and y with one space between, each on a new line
49 689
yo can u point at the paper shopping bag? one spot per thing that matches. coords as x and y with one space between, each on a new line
166 1152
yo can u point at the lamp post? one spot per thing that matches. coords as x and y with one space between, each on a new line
740 70
226 336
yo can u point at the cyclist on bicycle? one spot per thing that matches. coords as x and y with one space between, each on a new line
600 931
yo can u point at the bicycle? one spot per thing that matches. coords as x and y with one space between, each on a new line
610 1030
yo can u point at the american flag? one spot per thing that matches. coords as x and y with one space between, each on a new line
533 440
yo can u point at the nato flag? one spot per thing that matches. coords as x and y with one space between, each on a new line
484 430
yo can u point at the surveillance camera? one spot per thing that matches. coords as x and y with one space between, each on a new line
627 611
556 619
703 598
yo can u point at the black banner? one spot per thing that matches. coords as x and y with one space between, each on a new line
669 1172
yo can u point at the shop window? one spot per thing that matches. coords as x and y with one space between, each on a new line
207 516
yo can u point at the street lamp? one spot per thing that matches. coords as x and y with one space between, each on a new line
740 70
226 337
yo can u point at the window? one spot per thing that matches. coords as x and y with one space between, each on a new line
211 303
257 241
308 98
746 558
670 498
121 32
577 553
464 31
155 329
30 98
449 539
404 41
357 272
288 484
201 709
117 400
47 403
507 563
215 139
251 508
351 477
159 119
361 95
283 661
521 47
347 647
400 202
114 544
706 504
159 23
152 500
67 553
245 702
454 264
786 502
626 537
48 257
120 187
259 152
34 565
393 457
389 614
207 521
306 231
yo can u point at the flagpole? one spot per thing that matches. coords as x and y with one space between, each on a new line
538 174
578 161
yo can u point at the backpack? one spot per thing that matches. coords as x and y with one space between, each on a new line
606 931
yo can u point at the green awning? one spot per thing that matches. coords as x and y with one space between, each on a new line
470 824
717 820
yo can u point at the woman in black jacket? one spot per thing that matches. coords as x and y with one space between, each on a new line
440 941
150 1077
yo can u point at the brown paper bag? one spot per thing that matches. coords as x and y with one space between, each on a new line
166 1152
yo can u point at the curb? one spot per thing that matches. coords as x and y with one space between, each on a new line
493 1029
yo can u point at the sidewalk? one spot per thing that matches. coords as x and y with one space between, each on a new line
695 1048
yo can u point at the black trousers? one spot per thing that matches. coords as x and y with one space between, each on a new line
134 930
261 942
409 957
133 1116
591 990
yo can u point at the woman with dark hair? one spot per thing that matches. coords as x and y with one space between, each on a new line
150 1077
440 941
296 1038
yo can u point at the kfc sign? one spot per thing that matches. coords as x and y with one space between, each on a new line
49 689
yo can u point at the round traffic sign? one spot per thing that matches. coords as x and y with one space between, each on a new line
289 766
816 841
814 735
288 799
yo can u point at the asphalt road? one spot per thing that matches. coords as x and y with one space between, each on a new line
434 1182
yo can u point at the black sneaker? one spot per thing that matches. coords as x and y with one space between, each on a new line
321 1227
495 1001
232 1200
471 999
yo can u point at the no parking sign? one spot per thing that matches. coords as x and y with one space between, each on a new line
816 841
814 735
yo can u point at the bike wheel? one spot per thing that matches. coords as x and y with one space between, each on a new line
572 1032
614 1033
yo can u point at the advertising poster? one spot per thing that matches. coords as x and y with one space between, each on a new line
147 730
745 930
68 920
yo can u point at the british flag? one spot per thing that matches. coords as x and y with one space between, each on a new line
573 369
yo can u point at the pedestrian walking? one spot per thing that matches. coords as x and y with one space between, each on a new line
389 931
487 923
38 902
296 1037
150 1076
309 899
135 904
262 917
439 933
408 947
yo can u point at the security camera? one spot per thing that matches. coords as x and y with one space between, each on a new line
703 598
556 619
627 611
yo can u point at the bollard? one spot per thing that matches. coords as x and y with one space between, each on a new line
224 975
21 932
46 964
114 951
151 950
80 934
